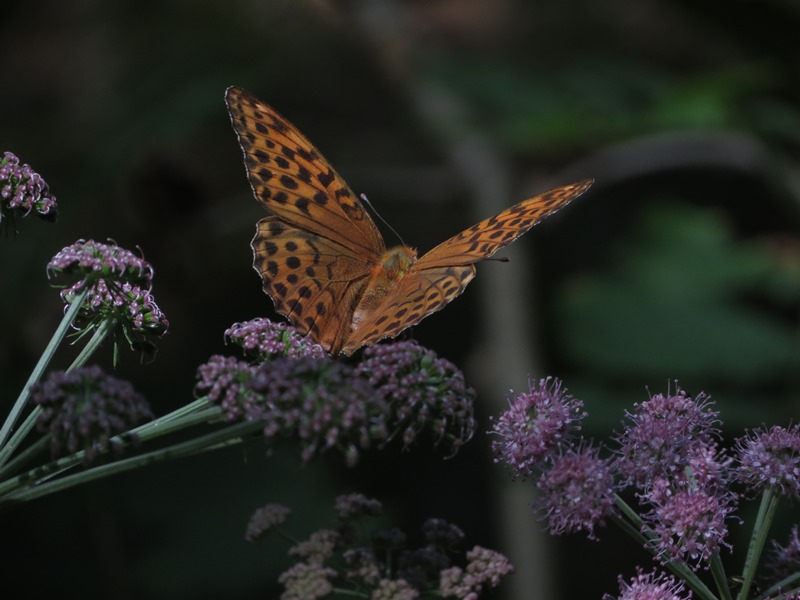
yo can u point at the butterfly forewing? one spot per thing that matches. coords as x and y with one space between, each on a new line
294 181
487 237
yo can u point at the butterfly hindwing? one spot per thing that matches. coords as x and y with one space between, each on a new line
310 279
418 294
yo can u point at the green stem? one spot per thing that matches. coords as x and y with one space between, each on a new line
99 335
229 436
720 579
766 512
634 526
36 374
24 457
784 586
184 417
93 344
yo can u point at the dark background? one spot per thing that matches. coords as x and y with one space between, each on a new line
681 263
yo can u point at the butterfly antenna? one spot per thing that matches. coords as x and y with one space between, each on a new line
377 214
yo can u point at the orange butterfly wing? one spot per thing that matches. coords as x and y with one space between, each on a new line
316 252
441 275
323 261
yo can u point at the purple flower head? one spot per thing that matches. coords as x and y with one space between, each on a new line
319 547
535 425
266 519
784 560
118 286
85 408
577 491
266 340
421 567
485 568
361 564
441 533
320 401
422 390
707 468
651 586
770 458
690 524
351 506
394 589
22 190
223 380
662 434
306 581
94 260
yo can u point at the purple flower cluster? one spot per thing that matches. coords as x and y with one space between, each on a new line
651 586
690 525
350 506
662 435
328 404
577 491
266 340
669 451
485 568
266 519
670 455
785 558
319 401
770 458
422 391
22 190
94 260
382 565
85 408
118 283
536 426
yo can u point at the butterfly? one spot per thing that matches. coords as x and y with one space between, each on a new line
323 261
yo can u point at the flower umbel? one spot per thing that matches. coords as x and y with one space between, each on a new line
266 519
422 391
690 525
770 458
535 425
23 191
383 566
577 491
85 408
650 586
118 291
663 433
319 401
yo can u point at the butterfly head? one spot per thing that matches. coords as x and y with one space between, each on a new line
396 262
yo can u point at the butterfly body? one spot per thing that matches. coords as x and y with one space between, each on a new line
323 261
